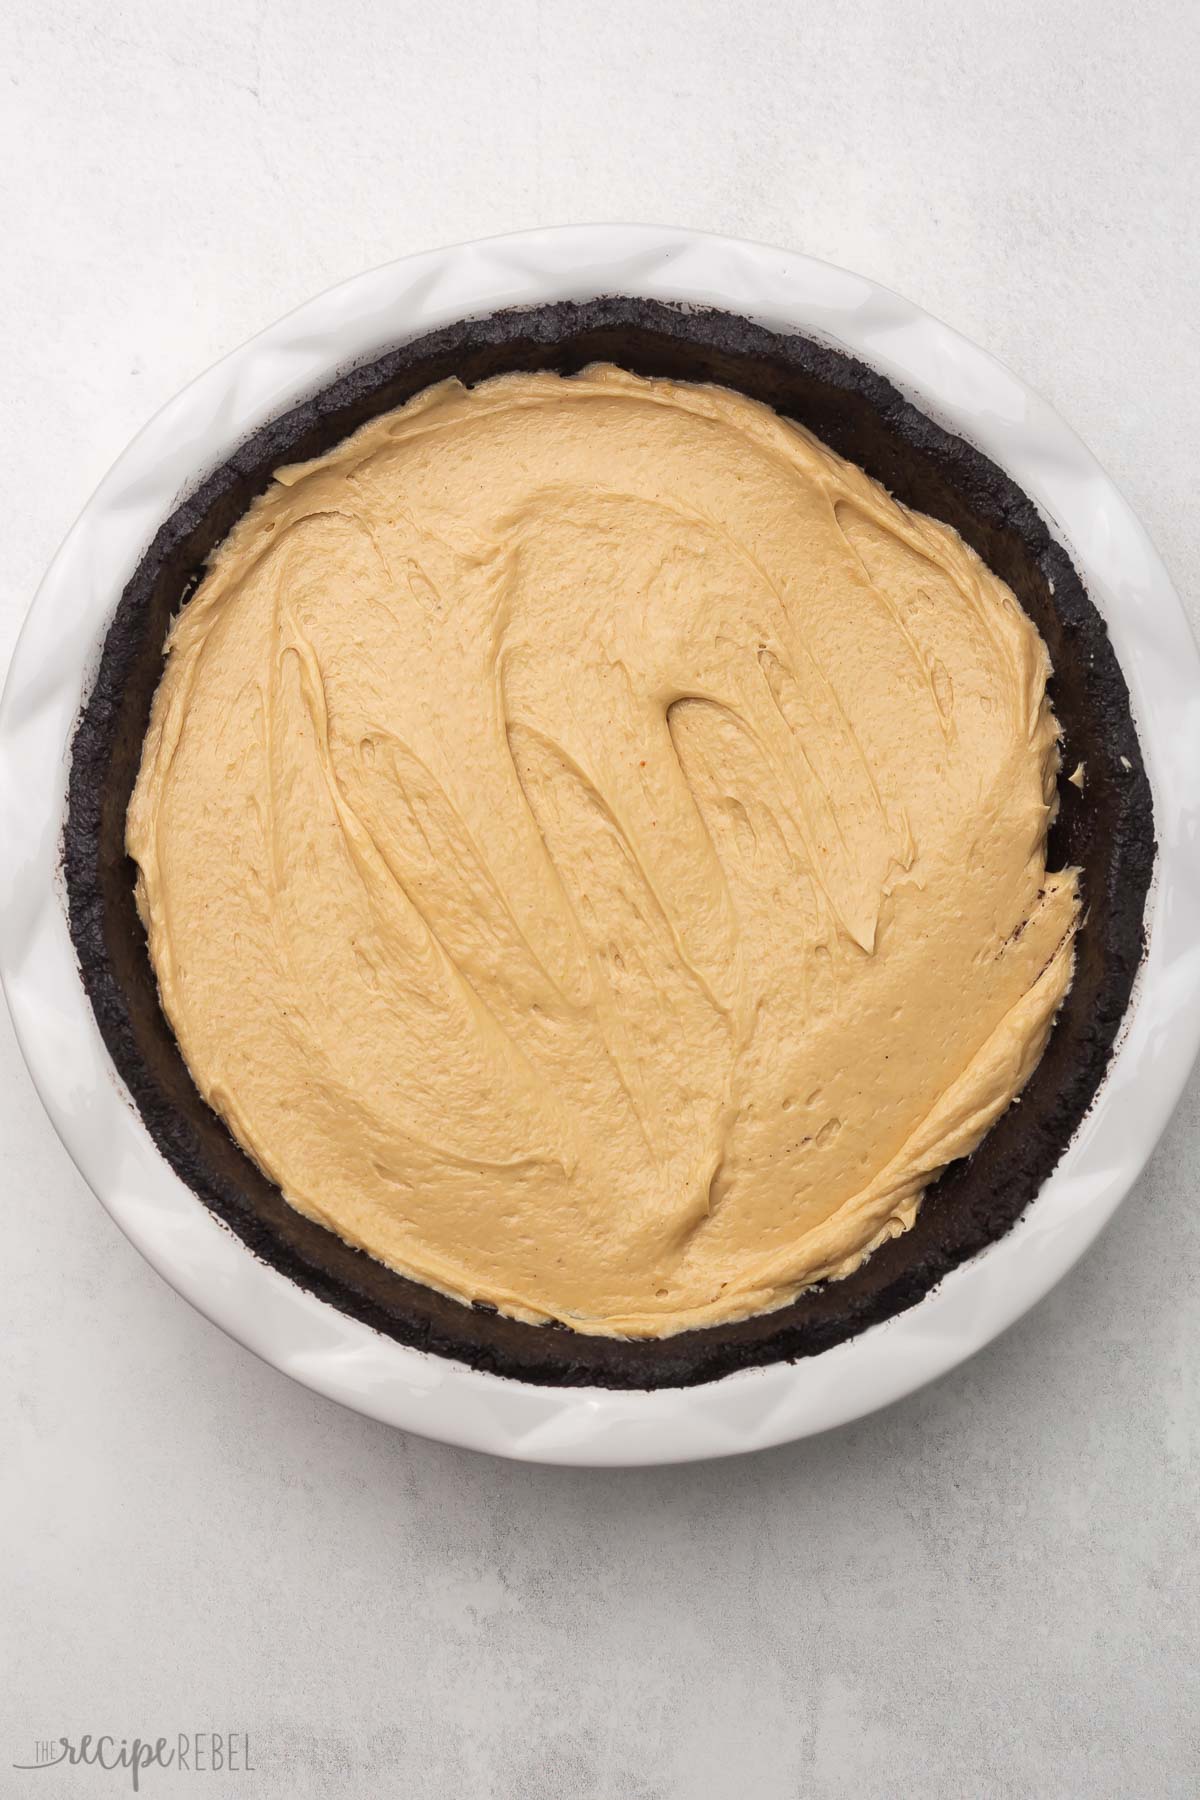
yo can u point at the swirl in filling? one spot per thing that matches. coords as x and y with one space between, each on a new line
592 844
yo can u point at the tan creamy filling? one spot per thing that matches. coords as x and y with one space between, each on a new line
592 846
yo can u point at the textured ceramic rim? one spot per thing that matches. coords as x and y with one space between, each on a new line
960 386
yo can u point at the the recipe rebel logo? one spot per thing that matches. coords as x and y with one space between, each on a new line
195 1752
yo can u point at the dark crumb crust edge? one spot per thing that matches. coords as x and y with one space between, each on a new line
1107 829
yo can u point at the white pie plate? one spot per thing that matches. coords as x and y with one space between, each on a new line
960 385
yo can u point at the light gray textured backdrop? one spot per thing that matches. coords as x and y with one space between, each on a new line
991 1590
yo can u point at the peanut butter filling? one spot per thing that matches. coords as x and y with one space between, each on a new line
592 846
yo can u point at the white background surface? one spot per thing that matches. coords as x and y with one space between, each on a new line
992 1589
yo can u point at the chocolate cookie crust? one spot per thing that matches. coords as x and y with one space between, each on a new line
1107 829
